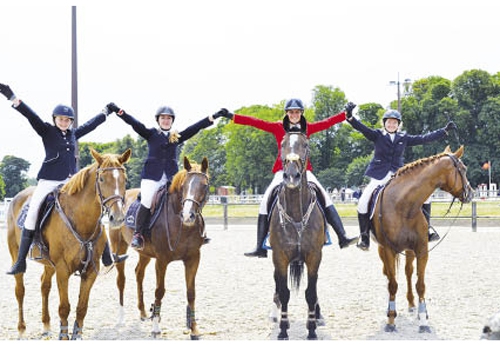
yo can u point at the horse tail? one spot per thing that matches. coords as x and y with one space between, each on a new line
296 270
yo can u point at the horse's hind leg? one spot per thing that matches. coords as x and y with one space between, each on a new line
19 291
118 243
422 258
191 268
140 270
410 257
46 286
388 257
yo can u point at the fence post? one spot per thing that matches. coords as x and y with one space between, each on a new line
474 216
223 200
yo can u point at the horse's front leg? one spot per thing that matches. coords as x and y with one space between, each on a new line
62 277
190 270
140 270
118 243
86 284
19 291
46 286
281 281
161 268
422 258
388 258
410 257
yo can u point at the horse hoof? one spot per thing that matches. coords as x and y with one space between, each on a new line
411 309
154 334
390 328
195 337
283 336
320 322
273 319
424 329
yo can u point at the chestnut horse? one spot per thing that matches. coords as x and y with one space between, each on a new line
177 234
297 233
73 234
400 226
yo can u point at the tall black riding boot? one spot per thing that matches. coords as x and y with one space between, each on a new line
141 223
106 258
333 218
364 230
26 240
433 235
262 229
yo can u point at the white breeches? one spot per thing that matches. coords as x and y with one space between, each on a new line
149 189
43 188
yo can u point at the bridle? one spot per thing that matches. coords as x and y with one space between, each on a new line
460 169
201 203
105 208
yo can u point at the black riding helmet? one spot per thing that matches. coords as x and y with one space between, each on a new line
63 110
392 114
294 103
165 110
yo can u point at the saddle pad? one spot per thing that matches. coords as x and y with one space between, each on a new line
161 197
373 200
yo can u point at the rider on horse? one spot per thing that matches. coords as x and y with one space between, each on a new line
389 145
292 121
161 163
59 165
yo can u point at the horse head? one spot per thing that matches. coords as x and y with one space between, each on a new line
194 190
294 155
457 183
110 182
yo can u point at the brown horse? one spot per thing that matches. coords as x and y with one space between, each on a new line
73 234
400 226
297 233
177 234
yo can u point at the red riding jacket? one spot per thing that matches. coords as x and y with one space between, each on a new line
277 128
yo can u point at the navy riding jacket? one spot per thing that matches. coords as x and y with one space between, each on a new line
60 160
389 155
162 154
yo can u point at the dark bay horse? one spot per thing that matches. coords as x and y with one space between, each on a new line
400 225
177 234
297 233
73 234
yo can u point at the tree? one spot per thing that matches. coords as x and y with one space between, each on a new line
2 188
13 170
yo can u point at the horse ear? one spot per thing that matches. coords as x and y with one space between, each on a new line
459 152
187 165
204 165
96 156
447 149
125 156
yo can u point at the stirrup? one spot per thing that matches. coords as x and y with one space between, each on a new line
137 242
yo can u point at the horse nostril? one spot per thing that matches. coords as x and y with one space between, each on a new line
111 218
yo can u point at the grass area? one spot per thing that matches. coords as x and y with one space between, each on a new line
484 208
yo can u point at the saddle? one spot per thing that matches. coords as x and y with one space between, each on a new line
160 197
39 250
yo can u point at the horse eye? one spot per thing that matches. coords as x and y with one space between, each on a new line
101 179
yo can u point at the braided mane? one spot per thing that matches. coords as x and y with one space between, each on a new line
78 181
420 162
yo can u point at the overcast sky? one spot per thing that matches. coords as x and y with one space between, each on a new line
200 55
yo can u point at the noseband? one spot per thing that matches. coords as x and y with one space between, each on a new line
105 208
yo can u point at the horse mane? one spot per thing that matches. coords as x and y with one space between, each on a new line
180 176
77 181
420 162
